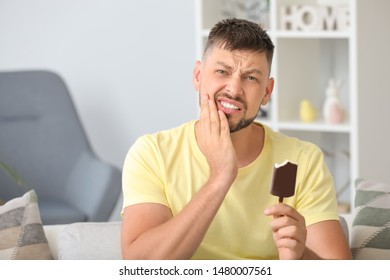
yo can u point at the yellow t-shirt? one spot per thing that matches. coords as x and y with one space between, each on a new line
169 168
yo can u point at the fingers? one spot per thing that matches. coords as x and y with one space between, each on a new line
285 216
289 233
213 121
282 209
204 114
290 241
214 118
225 131
215 142
288 227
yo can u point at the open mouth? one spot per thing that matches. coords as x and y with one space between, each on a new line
229 106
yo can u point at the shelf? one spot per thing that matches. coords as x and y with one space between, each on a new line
319 126
298 34
312 35
315 126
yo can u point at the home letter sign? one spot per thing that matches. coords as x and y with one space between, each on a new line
314 18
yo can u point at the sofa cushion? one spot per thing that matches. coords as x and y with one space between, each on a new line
53 233
370 233
90 241
21 230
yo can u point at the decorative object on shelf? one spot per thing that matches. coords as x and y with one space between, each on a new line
307 111
333 110
314 18
253 10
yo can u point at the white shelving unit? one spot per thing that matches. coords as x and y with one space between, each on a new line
303 63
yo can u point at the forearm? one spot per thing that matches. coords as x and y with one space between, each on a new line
309 255
180 236
340 255
326 240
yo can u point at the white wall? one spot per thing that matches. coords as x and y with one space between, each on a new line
127 63
374 90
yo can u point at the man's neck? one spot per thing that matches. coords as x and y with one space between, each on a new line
248 143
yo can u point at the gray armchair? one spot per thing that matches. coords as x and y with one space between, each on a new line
42 138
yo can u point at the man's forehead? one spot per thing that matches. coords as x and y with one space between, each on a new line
243 57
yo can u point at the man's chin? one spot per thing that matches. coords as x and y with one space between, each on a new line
235 127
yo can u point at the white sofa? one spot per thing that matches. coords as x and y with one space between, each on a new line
87 240
93 241
80 241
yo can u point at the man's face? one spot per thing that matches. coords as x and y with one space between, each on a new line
238 81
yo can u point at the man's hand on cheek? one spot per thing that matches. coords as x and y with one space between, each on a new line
215 141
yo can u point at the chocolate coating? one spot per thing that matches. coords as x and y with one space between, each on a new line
283 180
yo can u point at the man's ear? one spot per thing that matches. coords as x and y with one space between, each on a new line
268 91
196 75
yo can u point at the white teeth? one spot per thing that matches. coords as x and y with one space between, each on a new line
229 106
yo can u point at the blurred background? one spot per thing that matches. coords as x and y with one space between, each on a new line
128 64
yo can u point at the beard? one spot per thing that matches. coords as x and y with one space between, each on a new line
242 123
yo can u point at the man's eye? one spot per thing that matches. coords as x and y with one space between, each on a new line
221 71
251 78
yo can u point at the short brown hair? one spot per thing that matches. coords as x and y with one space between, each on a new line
240 34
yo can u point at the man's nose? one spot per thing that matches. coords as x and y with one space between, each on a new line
234 85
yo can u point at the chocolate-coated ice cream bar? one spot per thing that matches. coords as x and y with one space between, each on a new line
283 180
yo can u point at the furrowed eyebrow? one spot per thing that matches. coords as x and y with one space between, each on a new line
253 71
247 72
224 65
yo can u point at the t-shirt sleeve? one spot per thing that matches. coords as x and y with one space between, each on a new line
143 177
316 199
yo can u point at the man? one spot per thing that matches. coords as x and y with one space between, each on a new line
201 191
